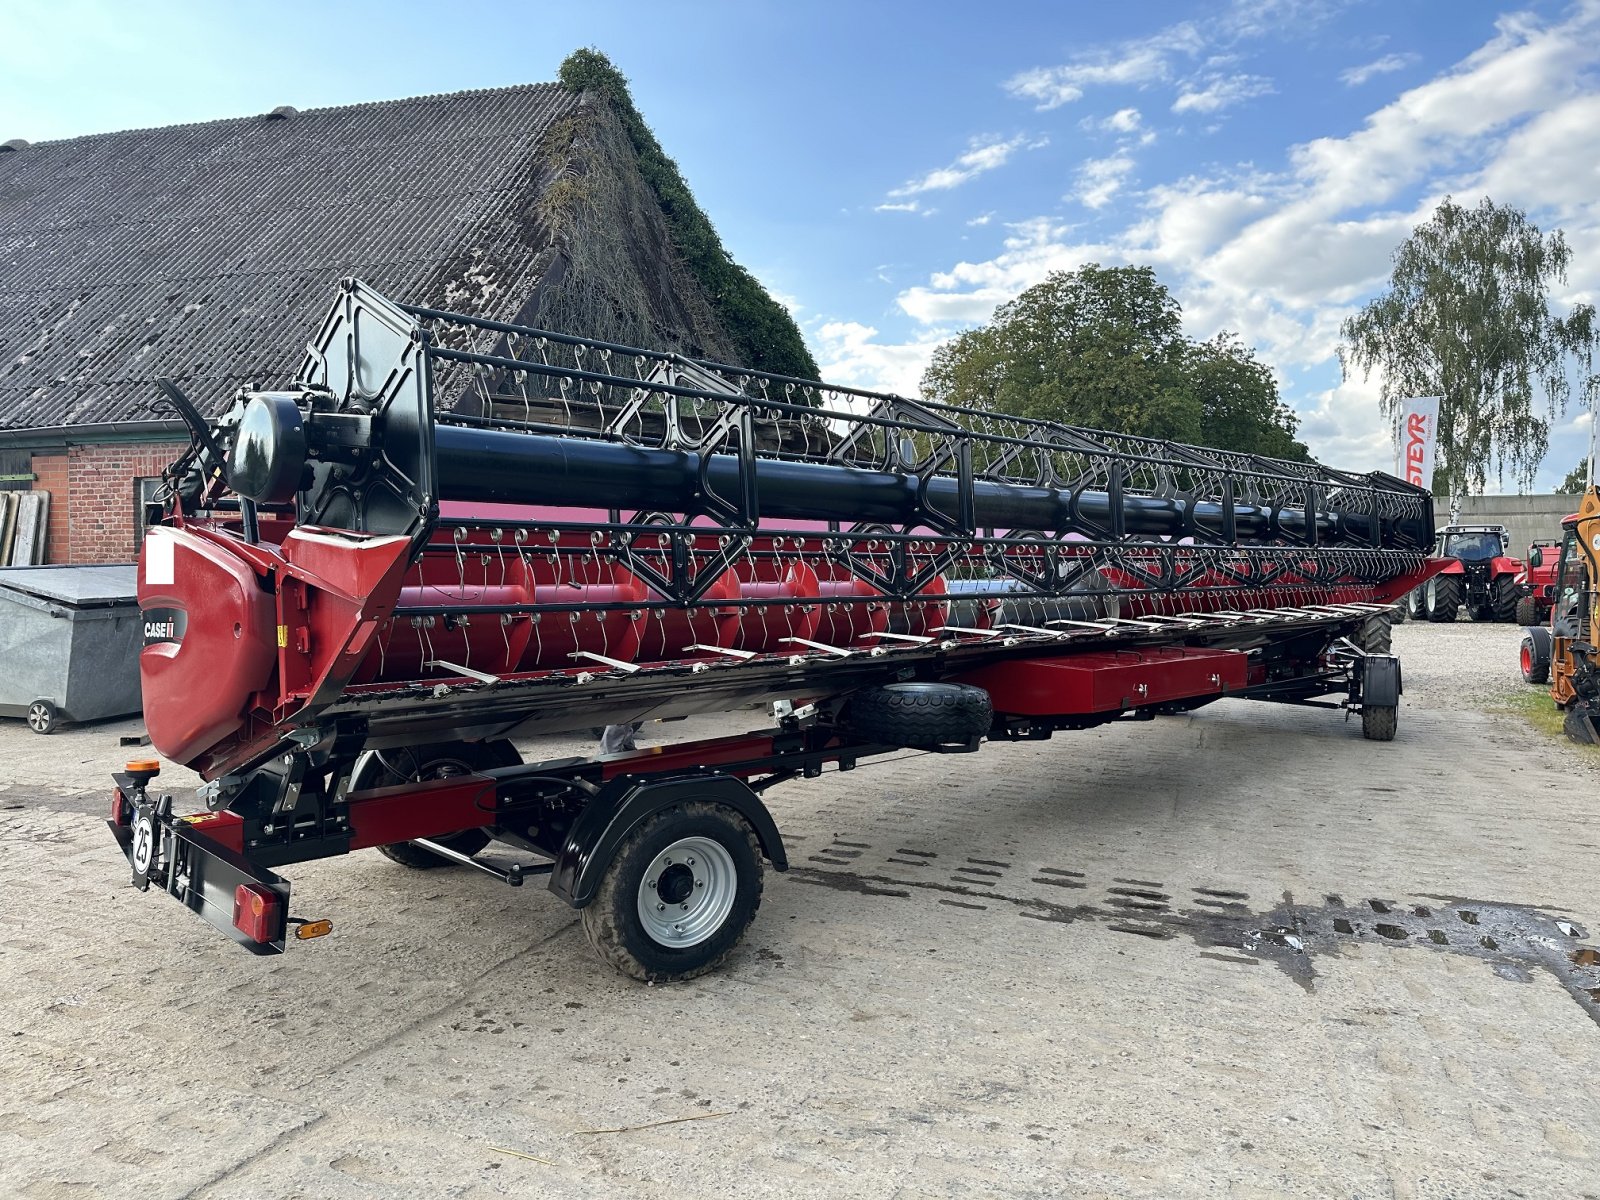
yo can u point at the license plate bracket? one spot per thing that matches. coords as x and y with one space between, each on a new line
198 872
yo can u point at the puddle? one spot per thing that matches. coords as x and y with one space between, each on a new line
1514 941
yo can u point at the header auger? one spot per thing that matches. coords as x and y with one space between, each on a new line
449 532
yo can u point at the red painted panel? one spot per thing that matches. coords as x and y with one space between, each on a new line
198 679
412 810
1107 680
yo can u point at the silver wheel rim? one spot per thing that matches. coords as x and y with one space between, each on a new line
38 717
687 892
1433 591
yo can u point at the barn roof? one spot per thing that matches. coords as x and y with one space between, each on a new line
209 252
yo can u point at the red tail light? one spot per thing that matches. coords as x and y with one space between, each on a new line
257 912
119 807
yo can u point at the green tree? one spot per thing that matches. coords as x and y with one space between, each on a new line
1239 399
762 329
1467 318
1576 482
1104 347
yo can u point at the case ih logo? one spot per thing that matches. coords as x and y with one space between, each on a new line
1416 448
164 625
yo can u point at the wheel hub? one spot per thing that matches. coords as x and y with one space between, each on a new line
676 883
687 892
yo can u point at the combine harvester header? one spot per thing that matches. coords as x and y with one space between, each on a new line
452 531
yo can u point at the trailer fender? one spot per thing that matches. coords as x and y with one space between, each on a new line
626 801
1380 681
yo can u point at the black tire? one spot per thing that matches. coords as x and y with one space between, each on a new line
920 715
1442 597
1379 722
438 760
43 717
1506 601
1534 657
613 921
1377 635
1401 611
1417 604
1527 611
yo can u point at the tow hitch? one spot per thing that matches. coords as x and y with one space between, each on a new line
248 903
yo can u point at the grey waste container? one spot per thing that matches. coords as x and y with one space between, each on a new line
69 643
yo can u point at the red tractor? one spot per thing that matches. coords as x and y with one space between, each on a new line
1536 585
1482 576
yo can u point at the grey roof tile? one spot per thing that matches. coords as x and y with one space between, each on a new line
209 252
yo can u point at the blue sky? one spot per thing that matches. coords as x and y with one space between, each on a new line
893 171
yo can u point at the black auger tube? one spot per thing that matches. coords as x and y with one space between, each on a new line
508 467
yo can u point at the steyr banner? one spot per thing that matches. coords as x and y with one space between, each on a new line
1419 435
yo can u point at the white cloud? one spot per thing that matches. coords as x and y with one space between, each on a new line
969 291
1553 161
1258 18
1133 63
1217 92
1124 120
1356 76
1100 179
1156 59
847 353
981 219
983 154
1344 427
1281 256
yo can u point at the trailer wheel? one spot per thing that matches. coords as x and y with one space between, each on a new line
439 761
920 714
1379 722
1527 611
1417 604
42 716
678 895
1443 598
1377 634
1534 657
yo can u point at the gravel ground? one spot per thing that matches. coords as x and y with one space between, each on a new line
1469 663
1240 953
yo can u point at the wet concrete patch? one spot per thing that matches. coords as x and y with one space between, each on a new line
1515 941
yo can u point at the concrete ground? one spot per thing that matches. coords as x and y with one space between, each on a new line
1242 953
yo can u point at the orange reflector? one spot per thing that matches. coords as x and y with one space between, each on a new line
307 930
141 766
257 912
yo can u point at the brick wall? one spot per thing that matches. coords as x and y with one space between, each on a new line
92 499
50 475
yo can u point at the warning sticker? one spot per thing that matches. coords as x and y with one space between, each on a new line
158 558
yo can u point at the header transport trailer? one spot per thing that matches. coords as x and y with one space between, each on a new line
451 532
